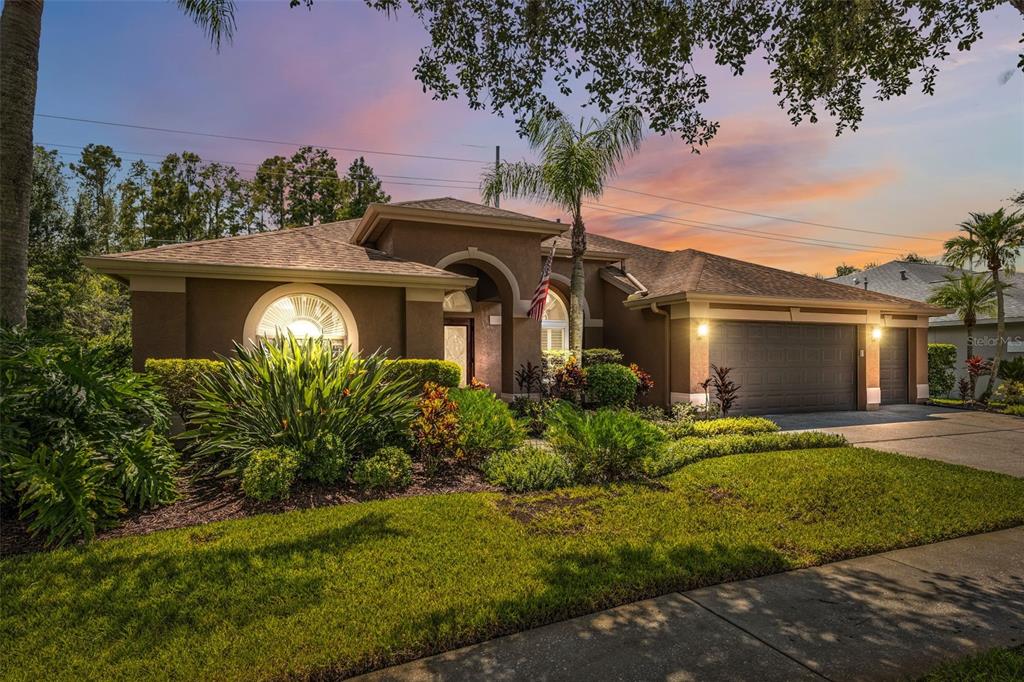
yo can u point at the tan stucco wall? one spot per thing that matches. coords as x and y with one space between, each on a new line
158 326
642 337
424 330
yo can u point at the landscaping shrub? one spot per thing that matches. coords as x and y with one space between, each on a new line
529 378
487 424
1011 370
1014 410
389 468
527 468
718 427
269 473
941 360
532 414
326 405
726 389
421 372
604 445
679 453
436 431
601 356
610 385
652 413
645 382
83 439
179 378
1009 392
569 382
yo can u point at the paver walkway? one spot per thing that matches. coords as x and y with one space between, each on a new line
983 440
889 616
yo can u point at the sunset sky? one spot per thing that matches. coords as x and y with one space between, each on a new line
341 76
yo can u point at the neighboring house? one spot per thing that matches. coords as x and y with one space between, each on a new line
917 281
444 278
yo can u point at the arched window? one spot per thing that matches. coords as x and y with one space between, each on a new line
305 310
554 324
457 302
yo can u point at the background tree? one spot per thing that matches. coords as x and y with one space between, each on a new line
96 169
315 192
822 54
269 193
971 296
131 218
367 189
575 162
20 28
843 269
994 239
914 257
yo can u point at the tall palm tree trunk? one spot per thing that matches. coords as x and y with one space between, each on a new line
576 284
20 26
1000 336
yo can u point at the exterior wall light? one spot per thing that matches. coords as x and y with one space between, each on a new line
876 333
702 330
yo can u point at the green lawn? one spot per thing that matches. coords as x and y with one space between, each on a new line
996 665
348 588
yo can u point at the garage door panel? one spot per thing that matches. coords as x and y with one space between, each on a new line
893 374
788 367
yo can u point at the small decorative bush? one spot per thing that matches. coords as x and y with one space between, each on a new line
941 360
726 389
719 427
532 414
1009 370
1009 392
436 431
487 424
326 405
83 439
1014 410
421 372
388 469
686 411
527 468
601 356
180 377
529 378
678 454
610 385
652 413
569 382
645 380
605 445
269 474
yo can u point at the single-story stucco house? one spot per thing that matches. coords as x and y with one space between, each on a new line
917 281
444 278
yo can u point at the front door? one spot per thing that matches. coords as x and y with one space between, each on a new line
458 346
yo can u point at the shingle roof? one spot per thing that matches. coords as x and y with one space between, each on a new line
922 279
322 247
453 205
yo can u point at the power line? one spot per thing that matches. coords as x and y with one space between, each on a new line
256 139
771 236
771 217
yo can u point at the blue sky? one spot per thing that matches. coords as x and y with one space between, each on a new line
341 75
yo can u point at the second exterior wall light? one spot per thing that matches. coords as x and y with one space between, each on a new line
876 333
702 330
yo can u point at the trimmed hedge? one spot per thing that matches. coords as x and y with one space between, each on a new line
601 356
941 360
179 378
685 451
527 468
389 468
423 371
269 474
706 428
611 385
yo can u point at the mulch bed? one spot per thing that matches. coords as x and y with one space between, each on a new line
208 499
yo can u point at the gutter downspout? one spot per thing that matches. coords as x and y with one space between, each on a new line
668 350
641 289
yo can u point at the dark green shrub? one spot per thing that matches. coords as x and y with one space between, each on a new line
325 405
1010 392
421 372
1014 410
1009 370
387 469
83 439
436 431
610 385
601 356
487 424
179 378
679 453
527 468
269 473
941 360
532 414
719 427
605 445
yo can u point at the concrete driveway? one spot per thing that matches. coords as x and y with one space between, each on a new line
994 442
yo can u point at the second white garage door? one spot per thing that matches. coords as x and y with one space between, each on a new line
784 367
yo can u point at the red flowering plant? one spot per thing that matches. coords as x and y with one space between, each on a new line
570 382
477 385
436 431
646 384
977 367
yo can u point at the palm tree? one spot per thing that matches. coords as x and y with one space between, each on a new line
994 239
20 28
575 162
971 295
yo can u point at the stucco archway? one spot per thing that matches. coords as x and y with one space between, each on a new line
252 320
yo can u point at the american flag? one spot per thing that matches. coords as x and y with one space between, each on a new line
540 296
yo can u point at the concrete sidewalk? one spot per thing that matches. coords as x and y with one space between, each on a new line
889 616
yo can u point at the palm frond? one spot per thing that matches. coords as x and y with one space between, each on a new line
515 180
620 135
215 17
971 295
